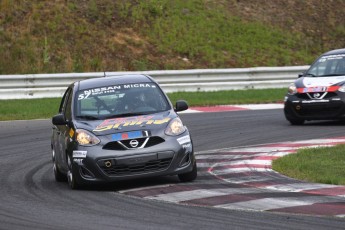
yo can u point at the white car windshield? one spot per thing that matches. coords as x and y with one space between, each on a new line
329 65
120 100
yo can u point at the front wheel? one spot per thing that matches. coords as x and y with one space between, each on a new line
296 121
190 176
73 184
59 176
292 118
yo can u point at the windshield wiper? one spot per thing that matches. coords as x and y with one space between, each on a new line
330 75
88 117
125 115
310 75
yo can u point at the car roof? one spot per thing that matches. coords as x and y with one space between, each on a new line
113 80
334 52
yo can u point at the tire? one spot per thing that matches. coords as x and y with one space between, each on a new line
291 118
71 178
59 176
296 121
190 176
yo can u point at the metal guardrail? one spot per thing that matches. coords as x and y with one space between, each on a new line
53 85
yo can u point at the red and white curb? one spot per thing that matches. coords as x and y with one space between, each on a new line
242 178
227 108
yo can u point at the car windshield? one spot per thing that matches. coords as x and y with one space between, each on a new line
330 65
120 101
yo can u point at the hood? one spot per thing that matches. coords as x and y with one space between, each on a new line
124 124
307 82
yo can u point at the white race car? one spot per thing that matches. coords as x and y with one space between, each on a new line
319 93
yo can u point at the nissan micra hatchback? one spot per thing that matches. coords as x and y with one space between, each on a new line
119 128
319 93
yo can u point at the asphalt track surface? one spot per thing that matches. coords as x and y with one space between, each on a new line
31 199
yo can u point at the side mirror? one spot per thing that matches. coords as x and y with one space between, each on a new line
59 119
300 75
181 105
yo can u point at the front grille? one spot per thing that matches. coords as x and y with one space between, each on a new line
330 95
154 141
114 145
125 144
150 166
305 96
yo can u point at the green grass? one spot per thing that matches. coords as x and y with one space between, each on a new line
47 107
321 165
28 109
204 30
250 96
105 35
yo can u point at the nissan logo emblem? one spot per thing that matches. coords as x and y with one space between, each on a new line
134 143
317 95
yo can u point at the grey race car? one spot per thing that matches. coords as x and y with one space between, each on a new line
119 128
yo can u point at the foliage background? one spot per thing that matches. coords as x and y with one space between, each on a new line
106 35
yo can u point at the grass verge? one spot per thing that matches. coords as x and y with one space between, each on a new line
26 109
231 97
321 165
47 107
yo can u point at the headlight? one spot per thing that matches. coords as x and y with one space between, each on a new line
292 89
86 138
175 127
342 88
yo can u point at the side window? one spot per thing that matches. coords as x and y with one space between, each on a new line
340 68
331 66
68 107
64 101
319 69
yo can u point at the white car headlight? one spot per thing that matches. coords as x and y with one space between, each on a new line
86 138
292 89
175 127
342 88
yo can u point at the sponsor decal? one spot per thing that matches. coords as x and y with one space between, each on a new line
79 154
187 146
98 91
318 89
78 161
331 57
111 89
129 135
128 86
184 140
129 121
313 101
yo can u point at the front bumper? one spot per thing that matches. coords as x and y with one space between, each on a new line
96 164
314 109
